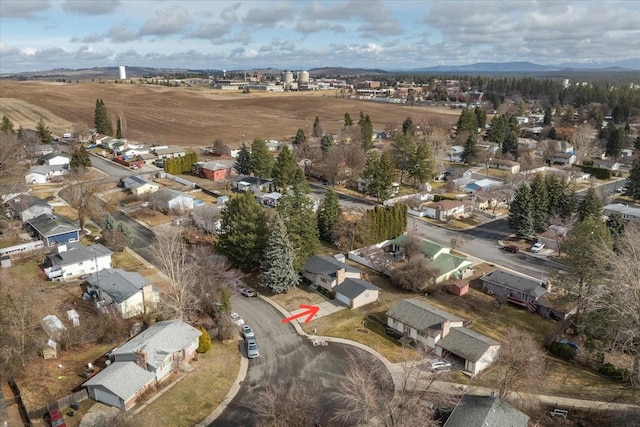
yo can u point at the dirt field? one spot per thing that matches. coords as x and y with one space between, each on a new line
194 117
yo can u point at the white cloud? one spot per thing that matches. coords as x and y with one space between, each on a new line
167 22
91 7
25 9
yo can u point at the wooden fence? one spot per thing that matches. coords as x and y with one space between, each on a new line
60 403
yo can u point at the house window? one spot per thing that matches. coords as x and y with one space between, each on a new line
323 280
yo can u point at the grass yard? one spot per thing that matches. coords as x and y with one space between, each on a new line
195 397
66 211
151 217
301 295
126 261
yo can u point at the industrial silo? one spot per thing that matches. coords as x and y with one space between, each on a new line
288 78
123 72
303 78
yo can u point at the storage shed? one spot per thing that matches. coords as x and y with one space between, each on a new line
459 287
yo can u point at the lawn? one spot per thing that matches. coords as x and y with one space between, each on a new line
127 262
194 398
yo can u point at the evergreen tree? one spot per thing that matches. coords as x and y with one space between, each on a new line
297 210
636 143
615 142
423 163
407 126
126 233
80 159
633 180
20 134
510 145
242 164
348 121
481 117
43 132
261 159
279 274
402 151
568 202
615 224
284 169
6 126
109 223
547 116
318 131
366 131
326 142
300 138
329 216
119 129
554 189
470 152
520 212
101 119
225 300
539 203
590 206
467 122
243 232
380 173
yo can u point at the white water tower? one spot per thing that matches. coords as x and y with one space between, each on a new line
123 73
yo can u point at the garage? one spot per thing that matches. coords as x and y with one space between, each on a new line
119 384
356 292
105 396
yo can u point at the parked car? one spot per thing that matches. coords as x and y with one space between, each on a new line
439 365
252 348
247 332
313 286
55 418
537 247
622 190
237 319
511 248
249 293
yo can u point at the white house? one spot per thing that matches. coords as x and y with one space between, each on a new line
143 362
138 185
42 174
72 260
627 213
55 159
356 292
445 209
455 154
26 206
443 331
129 292
176 200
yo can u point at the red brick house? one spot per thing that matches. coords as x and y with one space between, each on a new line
213 171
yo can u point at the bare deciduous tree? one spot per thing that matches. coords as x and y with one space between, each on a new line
81 197
457 242
10 153
521 360
415 274
173 258
295 405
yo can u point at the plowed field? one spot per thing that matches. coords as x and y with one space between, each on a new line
194 117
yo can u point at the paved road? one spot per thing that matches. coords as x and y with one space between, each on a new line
284 357
142 236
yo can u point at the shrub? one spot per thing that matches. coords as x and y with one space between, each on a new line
612 372
204 342
561 350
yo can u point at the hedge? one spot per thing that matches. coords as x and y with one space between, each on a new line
561 350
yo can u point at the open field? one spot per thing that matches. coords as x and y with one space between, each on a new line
194 117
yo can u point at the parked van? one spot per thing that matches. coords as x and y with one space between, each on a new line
66 135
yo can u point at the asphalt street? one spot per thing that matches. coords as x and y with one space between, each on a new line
284 358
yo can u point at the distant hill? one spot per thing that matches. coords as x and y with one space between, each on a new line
528 67
344 72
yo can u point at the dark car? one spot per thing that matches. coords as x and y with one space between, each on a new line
55 418
511 248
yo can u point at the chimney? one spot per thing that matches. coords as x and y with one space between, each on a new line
62 248
147 298
141 359
446 325
340 276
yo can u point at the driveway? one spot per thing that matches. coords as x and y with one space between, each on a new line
284 357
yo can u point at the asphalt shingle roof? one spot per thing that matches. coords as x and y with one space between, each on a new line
77 252
419 315
516 282
123 379
466 343
25 201
327 265
352 288
483 411
135 181
120 285
52 225
160 340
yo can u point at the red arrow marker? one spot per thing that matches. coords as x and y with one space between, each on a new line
310 311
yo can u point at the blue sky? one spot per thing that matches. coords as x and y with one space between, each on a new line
387 34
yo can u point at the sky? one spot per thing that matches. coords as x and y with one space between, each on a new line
300 34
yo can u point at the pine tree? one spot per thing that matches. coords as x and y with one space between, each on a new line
101 119
326 142
243 232
554 190
510 145
403 149
633 180
109 223
636 143
407 126
43 132
300 138
615 142
279 273
568 202
126 233
318 131
7 126
590 206
481 117
469 152
366 131
80 159
348 121
520 212
261 159
284 169
380 173
615 224
119 129
423 164
539 203
467 122
329 216
242 164
547 116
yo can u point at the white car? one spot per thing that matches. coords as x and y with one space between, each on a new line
439 365
237 319
537 247
247 332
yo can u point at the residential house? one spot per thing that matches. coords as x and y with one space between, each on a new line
455 154
143 362
146 158
26 206
627 213
55 159
444 332
502 164
176 200
356 292
273 145
327 272
483 411
43 149
611 165
129 292
560 158
444 210
212 170
271 199
72 260
53 229
168 153
139 185
481 185
231 152
363 182
42 174
530 293
458 287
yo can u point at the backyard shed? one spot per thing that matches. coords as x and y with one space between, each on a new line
459 287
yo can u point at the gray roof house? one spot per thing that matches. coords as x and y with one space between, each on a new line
26 206
356 292
72 260
128 291
517 289
327 272
120 384
483 411
54 229
139 185
442 331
